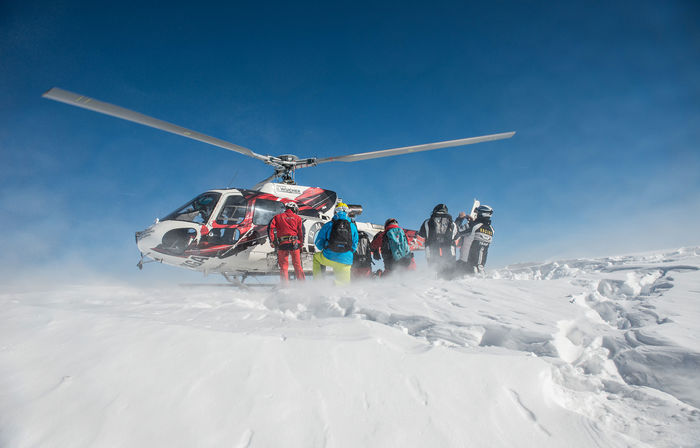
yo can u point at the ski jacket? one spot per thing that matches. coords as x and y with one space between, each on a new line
395 239
322 240
363 255
286 231
439 232
391 244
476 238
376 245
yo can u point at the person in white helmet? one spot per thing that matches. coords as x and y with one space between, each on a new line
286 234
476 237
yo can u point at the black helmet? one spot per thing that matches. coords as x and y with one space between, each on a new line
440 208
484 211
389 221
293 205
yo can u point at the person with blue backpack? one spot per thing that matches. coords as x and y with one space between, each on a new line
392 245
337 240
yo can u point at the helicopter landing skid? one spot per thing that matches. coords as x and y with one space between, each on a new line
240 278
143 261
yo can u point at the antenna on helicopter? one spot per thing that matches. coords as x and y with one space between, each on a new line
235 175
284 165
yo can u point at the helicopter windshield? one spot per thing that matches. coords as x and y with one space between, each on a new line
233 211
198 210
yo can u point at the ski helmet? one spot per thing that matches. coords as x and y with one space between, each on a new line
341 207
485 211
293 205
389 221
440 208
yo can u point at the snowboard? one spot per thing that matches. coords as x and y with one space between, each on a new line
472 213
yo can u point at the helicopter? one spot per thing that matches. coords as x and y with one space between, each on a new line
224 231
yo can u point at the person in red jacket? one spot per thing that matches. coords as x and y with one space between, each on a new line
392 246
287 235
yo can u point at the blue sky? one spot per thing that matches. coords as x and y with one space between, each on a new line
604 96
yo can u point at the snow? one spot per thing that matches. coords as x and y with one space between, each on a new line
576 353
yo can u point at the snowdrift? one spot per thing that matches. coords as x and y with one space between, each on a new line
577 353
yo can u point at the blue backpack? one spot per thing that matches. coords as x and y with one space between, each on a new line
397 242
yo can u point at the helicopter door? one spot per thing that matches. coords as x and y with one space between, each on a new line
232 213
265 210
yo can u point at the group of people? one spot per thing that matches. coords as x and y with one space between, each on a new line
472 232
350 252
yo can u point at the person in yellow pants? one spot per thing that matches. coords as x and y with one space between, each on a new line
340 271
337 240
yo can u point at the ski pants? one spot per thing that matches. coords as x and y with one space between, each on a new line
283 261
340 270
406 263
361 272
439 256
467 268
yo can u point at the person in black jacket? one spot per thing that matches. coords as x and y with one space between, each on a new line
439 232
362 257
476 237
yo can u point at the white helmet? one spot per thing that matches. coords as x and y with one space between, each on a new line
293 205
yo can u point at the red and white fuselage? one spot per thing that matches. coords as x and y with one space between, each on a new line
225 231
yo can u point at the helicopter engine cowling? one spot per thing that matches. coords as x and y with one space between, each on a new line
354 210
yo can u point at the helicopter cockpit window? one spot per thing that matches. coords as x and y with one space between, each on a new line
265 210
233 211
198 210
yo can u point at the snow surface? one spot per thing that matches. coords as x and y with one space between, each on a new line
578 353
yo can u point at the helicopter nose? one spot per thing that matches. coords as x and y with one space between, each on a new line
138 236
143 239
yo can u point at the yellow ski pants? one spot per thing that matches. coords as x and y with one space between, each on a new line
340 270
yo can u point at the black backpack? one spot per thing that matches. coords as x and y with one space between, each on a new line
440 231
340 239
363 254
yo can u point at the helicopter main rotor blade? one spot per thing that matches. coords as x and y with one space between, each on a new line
75 99
416 148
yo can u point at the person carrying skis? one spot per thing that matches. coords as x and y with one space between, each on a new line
439 233
286 234
362 258
392 245
476 237
337 240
